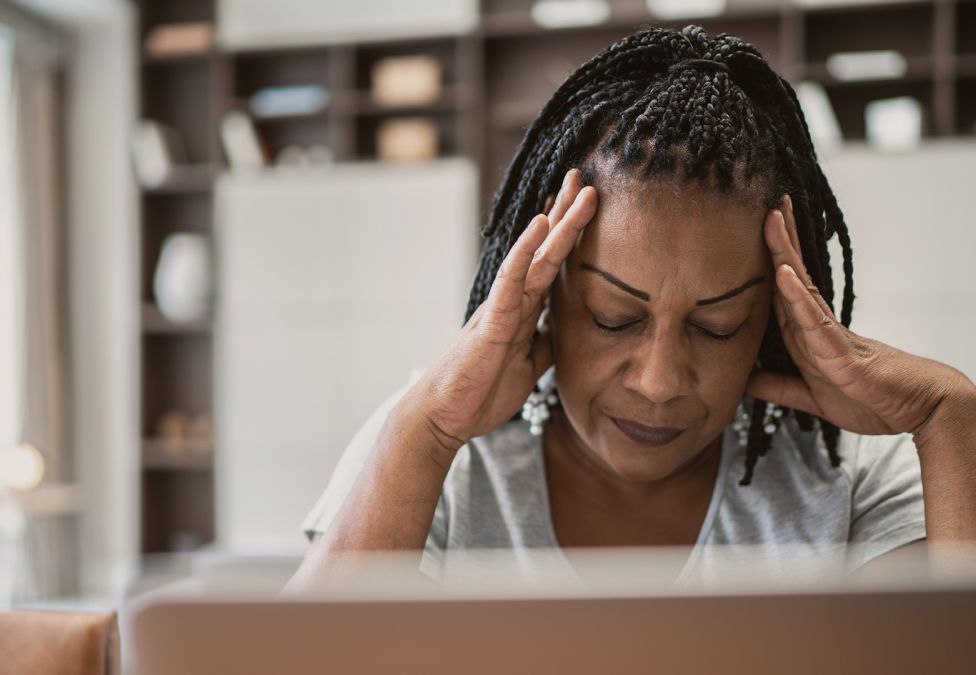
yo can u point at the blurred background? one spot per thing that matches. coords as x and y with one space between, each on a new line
229 229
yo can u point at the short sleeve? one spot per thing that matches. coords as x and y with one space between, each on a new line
887 509
433 559
350 465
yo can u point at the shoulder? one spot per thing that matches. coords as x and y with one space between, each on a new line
797 495
495 494
505 461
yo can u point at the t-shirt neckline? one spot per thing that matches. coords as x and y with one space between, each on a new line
718 492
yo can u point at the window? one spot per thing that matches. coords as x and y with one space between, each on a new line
10 287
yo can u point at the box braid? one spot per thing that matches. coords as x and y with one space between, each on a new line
667 102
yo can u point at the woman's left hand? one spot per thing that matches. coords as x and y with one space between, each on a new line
856 383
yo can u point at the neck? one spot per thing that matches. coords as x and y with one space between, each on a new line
574 468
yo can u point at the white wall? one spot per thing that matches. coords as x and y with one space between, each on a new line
103 283
913 232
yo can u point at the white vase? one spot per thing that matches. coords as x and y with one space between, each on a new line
182 283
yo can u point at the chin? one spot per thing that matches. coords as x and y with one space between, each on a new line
642 465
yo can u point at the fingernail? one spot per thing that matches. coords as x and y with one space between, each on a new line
789 203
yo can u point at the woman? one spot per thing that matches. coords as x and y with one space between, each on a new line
678 262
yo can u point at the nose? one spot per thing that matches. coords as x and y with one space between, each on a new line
660 368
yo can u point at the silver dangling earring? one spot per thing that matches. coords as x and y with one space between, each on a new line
771 421
771 418
535 410
740 425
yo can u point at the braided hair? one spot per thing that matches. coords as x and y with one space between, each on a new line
667 102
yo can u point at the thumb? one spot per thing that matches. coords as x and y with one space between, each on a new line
786 390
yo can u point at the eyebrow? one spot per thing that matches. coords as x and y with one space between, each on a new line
624 286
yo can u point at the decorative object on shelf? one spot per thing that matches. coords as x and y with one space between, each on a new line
407 80
885 64
171 429
294 100
293 156
156 150
407 139
181 436
241 143
894 124
819 113
182 282
176 39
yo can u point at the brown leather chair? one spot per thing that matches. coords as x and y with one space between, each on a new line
58 643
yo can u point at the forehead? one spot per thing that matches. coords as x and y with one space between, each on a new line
666 228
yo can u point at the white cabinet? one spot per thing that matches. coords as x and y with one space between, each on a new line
334 284
243 24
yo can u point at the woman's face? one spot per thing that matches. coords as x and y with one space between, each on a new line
657 318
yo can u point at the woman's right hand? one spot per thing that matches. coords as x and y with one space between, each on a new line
485 376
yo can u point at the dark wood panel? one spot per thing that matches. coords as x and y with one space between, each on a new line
907 28
179 96
255 70
155 12
966 106
177 510
966 27
177 375
849 103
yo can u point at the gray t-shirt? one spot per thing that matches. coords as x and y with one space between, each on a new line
495 496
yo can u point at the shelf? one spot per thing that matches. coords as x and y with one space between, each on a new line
162 455
362 103
180 58
186 180
155 323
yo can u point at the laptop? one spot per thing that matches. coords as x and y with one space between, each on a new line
392 621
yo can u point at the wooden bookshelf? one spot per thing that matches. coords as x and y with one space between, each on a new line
495 80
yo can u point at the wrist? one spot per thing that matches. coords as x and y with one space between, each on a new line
417 424
953 416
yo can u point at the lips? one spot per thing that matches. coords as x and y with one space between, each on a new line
653 436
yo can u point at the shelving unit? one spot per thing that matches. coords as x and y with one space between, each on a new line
495 80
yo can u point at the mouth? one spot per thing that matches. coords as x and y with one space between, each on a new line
652 436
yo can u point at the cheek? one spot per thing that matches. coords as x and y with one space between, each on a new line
584 364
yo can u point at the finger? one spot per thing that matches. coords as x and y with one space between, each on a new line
810 323
786 390
780 245
789 218
785 249
506 291
550 200
572 184
560 242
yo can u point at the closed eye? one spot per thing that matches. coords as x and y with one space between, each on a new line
614 329
716 336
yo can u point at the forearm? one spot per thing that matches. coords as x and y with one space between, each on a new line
391 505
947 451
